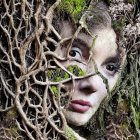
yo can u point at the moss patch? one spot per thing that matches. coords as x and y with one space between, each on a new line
57 75
73 7
74 69
55 90
69 133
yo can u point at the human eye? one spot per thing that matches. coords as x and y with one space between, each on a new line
112 68
75 53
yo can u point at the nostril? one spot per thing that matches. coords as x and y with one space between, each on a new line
88 90
86 87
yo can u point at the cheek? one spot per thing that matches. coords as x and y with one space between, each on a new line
112 82
100 87
102 93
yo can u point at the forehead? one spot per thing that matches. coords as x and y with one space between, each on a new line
103 42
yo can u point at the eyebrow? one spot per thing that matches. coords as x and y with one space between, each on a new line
113 59
81 42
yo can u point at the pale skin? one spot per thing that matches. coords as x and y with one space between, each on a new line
87 94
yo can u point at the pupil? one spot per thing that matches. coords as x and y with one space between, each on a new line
110 67
72 53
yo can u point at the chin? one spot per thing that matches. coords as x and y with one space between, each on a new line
77 119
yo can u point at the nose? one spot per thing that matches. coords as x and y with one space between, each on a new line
86 86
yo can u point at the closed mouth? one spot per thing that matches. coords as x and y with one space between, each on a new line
79 106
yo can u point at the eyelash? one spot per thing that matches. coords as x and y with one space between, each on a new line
117 68
76 50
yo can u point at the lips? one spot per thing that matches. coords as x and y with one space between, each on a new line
79 106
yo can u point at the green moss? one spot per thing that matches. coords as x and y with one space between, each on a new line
135 112
66 75
69 133
73 7
50 74
57 75
58 78
55 90
74 69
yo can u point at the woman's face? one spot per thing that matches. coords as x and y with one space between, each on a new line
100 54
